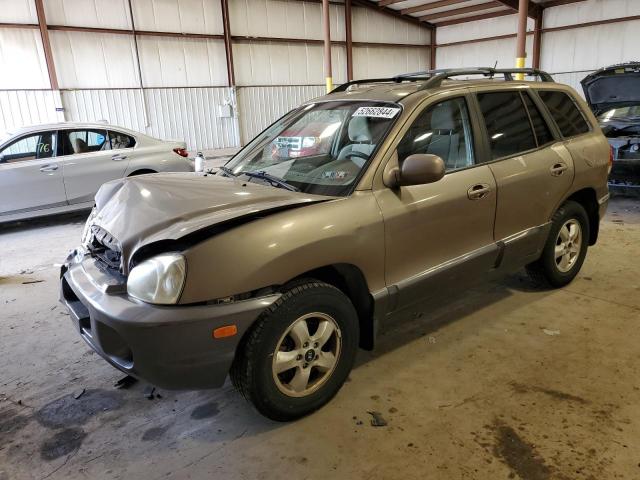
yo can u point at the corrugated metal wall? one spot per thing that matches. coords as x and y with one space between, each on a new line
98 74
189 114
581 51
260 106
570 55
28 107
478 54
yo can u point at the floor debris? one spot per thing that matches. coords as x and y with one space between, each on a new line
377 419
125 382
149 392
78 393
546 331
29 282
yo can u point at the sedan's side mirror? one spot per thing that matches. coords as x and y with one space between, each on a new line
416 169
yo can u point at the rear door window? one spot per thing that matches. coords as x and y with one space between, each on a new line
507 123
31 147
540 127
120 140
75 142
564 111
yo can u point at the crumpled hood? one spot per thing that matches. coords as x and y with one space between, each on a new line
141 210
611 87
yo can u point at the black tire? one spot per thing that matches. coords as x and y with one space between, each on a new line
545 271
251 372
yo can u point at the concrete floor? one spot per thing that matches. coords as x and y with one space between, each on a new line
506 381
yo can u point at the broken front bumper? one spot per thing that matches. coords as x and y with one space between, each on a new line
171 347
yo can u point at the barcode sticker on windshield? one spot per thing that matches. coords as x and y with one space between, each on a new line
378 112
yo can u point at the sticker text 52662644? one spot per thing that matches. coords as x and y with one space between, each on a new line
378 112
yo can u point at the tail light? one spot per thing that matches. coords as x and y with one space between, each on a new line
610 158
182 152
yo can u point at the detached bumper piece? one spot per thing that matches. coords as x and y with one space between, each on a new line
172 347
625 177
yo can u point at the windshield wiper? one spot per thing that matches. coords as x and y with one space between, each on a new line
272 179
226 170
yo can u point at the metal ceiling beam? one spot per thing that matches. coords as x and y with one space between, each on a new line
557 3
430 6
383 3
474 18
534 10
461 11
389 11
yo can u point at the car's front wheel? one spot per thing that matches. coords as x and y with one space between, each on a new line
566 247
299 352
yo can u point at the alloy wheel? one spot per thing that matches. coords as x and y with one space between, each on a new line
306 355
568 245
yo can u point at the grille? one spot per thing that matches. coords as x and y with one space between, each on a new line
105 249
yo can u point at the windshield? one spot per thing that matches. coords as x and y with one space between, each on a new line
321 148
629 113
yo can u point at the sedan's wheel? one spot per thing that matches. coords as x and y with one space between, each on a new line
566 247
303 361
298 354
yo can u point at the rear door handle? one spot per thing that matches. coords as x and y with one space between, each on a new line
558 169
118 157
478 191
52 167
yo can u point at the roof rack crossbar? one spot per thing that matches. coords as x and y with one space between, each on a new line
490 72
434 78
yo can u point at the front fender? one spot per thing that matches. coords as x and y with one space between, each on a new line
279 247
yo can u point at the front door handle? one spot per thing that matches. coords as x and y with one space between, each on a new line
558 169
51 167
478 191
118 157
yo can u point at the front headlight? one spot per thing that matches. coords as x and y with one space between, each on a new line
158 280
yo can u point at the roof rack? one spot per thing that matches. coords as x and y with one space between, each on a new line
437 79
434 78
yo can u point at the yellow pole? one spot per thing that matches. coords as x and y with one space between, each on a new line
327 45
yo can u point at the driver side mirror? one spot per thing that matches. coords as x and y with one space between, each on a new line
417 169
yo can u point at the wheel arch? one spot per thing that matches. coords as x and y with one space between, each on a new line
350 280
588 199
141 171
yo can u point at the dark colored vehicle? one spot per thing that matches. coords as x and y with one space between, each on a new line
613 93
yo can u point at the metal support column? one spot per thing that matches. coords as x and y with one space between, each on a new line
140 82
432 50
521 39
348 38
327 45
46 45
231 77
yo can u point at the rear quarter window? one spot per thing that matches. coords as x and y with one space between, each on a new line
565 112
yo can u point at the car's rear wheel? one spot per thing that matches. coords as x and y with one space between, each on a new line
299 352
566 247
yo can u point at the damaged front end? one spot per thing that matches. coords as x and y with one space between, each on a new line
613 93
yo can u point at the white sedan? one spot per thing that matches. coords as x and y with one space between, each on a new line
48 169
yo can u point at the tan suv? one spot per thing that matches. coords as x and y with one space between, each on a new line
276 267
